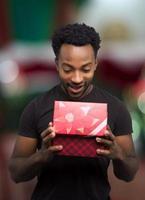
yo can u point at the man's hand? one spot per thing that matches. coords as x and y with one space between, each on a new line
47 149
111 148
26 161
121 150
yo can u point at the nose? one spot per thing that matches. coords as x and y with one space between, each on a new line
77 77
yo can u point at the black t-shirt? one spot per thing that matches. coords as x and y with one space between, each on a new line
70 178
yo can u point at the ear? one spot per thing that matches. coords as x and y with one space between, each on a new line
96 64
56 62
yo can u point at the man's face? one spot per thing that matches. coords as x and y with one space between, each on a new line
76 66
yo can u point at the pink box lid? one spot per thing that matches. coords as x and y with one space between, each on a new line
80 118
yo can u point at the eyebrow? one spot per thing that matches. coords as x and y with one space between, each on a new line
84 65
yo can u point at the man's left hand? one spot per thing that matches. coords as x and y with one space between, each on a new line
111 149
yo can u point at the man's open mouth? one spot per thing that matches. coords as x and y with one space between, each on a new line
75 89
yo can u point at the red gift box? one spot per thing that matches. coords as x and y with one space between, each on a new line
77 124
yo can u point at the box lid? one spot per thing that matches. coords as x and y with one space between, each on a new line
80 118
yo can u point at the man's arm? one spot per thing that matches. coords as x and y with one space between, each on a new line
23 164
126 165
26 162
121 150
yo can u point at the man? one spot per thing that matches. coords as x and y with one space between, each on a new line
60 177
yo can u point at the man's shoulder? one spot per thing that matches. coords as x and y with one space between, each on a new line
48 94
103 96
44 98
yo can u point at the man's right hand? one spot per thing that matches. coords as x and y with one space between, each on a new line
47 149
26 161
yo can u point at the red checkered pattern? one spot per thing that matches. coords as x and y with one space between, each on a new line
76 145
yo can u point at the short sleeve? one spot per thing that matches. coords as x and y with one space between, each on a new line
123 122
27 123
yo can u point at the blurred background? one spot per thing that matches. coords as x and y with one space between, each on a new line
27 69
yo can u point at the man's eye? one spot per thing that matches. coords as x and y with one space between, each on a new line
67 70
86 70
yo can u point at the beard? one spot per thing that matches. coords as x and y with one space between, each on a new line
77 91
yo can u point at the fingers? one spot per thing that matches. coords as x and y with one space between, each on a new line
46 154
47 135
47 131
55 148
104 142
47 139
108 134
103 152
107 140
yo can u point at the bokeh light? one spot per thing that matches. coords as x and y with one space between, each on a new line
9 71
141 102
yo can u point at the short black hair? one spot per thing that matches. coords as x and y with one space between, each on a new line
75 34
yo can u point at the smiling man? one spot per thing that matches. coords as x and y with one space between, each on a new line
76 58
76 74
59 177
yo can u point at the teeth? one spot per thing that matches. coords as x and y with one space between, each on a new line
75 89
75 86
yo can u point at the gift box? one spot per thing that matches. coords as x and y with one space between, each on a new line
77 124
